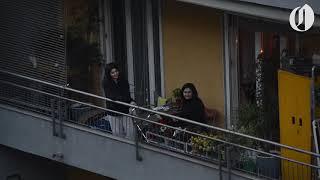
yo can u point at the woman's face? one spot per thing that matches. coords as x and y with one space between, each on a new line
114 73
187 93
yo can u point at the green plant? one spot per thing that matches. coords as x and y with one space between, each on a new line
202 144
255 121
250 123
84 57
249 120
82 22
81 53
248 162
82 19
176 97
176 93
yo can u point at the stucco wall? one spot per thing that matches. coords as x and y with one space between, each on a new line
192 42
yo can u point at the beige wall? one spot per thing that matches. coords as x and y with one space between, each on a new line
192 42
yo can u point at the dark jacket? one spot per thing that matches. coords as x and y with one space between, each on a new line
117 91
193 109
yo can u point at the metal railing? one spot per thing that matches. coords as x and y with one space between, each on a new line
229 149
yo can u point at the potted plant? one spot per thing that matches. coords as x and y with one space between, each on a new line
253 121
248 161
84 58
205 146
176 97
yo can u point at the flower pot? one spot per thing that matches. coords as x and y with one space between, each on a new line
249 165
268 166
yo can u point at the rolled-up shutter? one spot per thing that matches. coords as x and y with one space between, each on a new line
32 39
32 44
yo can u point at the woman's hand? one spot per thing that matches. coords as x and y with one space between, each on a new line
132 110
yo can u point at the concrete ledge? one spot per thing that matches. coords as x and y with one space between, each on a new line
100 152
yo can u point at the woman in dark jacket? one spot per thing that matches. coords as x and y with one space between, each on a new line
117 88
192 107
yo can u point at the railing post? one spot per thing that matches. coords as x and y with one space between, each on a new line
220 162
52 103
61 134
229 162
136 139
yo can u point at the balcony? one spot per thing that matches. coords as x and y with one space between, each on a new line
43 119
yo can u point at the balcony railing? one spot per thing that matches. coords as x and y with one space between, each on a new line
229 149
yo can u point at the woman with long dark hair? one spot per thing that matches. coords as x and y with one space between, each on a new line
192 106
117 88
